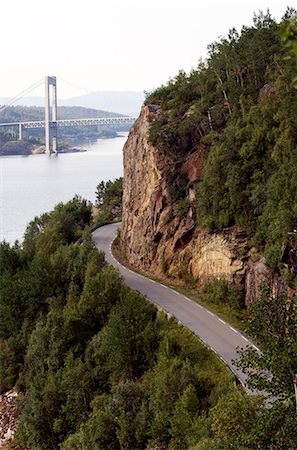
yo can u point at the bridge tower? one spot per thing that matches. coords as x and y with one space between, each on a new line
50 115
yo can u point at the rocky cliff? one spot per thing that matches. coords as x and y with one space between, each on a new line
159 238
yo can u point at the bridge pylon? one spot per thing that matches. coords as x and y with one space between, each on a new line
51 143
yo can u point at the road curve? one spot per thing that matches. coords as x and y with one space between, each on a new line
219 336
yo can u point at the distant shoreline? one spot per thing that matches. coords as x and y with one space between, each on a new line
17 148
26 148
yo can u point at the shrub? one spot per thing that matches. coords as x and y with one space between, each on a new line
220 292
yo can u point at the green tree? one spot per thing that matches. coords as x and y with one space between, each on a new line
183 421
289 39
10 258
273 324
129 339
273 371
232 419
98 433
109 200
126 406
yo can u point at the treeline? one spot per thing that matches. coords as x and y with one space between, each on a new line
28 113
239 109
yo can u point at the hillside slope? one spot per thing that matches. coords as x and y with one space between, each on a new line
210 169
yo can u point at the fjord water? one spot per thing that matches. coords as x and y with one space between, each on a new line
32 185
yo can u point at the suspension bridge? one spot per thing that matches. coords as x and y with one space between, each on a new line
51 123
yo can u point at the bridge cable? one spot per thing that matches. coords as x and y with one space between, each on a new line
22 94
76 86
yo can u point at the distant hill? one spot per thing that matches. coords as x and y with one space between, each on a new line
23 113
67 134
122 102
26 101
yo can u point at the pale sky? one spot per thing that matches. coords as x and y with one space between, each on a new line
113 44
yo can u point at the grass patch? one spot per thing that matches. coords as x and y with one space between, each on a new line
186 345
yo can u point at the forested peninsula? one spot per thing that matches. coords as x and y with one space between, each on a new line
209 204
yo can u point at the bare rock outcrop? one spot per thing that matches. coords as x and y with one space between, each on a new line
146 199
8 417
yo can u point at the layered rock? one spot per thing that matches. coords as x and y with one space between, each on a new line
159 240
146 199
8 418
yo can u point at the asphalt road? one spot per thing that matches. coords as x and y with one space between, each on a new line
220 337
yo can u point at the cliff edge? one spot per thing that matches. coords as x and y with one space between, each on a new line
160 239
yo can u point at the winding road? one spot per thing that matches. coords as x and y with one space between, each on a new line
219 336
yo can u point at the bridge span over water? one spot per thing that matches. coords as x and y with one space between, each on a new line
51 123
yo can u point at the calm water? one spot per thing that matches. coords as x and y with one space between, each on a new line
33 184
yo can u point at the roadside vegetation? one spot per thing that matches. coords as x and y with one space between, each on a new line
223 299
108 206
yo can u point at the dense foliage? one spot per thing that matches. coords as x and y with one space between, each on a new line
273 323
98 367
32 274
239 110
289 39
109 201
273 371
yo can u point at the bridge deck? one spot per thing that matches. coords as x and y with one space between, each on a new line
74 122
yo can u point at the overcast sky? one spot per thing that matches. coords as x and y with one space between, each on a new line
113 44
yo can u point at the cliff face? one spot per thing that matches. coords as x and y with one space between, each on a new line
159 240
145 198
